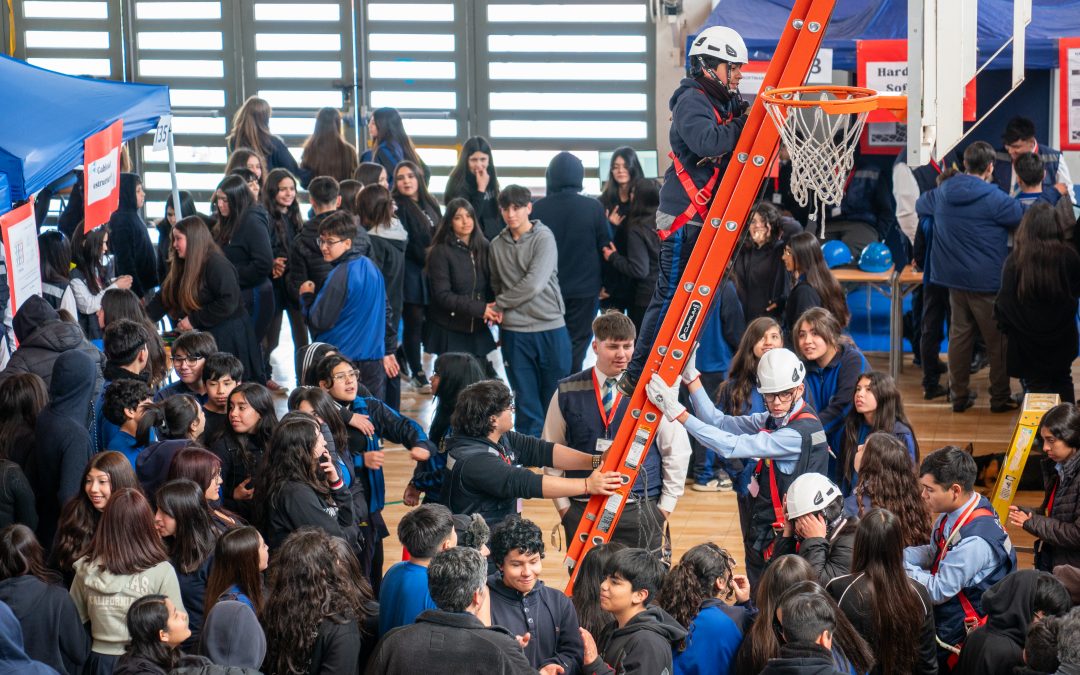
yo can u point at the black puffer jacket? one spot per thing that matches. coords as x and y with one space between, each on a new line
1059 530
460 286
43 337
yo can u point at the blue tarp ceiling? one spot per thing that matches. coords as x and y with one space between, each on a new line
46 116
760 22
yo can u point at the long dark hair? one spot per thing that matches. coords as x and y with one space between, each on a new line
586 597
251 127
887 477
761 642
806 254
326 152
79 519
87 251
54 251
308 583
735 392
187 205
391 130
609 197
238 159
326 409
1042 258
196 464
180 290
693 581
460 175
895 607
289 459
126 541
22 397
239 196
259 398
845 638
1063 421
122 303
444 233
146 618
183 501
423 197
644 200
236 563
771 217
288 224
890 410
21 555
456 370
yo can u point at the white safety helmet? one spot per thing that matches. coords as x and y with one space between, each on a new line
810 493
722 43
779 370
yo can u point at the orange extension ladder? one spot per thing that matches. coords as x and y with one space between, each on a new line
738 190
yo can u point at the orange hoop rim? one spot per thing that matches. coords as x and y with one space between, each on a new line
847 101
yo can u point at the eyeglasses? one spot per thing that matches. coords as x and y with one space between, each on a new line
348 376
512 407
327 243
188 360
783 396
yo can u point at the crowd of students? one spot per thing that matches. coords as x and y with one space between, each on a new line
174 522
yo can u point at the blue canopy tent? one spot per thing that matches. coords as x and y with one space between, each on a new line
760 22
46 116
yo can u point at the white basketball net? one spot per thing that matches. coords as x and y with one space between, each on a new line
821 146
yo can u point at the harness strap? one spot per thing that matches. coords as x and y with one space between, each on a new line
699 197
776 498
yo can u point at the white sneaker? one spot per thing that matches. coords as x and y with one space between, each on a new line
715 485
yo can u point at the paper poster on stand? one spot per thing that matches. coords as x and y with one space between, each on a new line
101 174
882 65
1069 78
19 230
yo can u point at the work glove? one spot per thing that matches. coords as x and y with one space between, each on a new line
665 397
690 371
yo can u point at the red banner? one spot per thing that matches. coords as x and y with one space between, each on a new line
101 174
1069 78
19 230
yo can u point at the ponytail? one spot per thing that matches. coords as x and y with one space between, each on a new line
153 416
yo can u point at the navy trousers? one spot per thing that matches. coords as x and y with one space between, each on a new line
535 362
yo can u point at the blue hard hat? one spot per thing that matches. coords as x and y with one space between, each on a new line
836 253
876 258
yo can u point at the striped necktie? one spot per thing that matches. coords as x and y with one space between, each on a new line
609 394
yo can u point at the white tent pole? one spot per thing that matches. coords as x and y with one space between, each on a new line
172 174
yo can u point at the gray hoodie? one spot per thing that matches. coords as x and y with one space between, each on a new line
103 598
525 278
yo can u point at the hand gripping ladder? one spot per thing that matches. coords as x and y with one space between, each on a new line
734 198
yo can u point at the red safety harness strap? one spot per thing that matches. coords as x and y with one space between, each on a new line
699 197
774 491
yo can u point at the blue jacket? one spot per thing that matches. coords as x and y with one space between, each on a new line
403 595
831 391
350 310
719 337
694 135
1048 195
972 222
713 639
579 225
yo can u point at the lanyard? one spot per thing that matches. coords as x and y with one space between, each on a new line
1053 494
606 418
960 522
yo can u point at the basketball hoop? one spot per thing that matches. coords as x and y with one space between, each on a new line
820 127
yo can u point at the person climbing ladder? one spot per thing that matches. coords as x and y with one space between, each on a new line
707 116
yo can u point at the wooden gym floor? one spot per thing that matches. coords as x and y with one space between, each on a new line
707 516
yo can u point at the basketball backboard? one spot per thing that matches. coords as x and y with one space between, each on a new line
943 57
